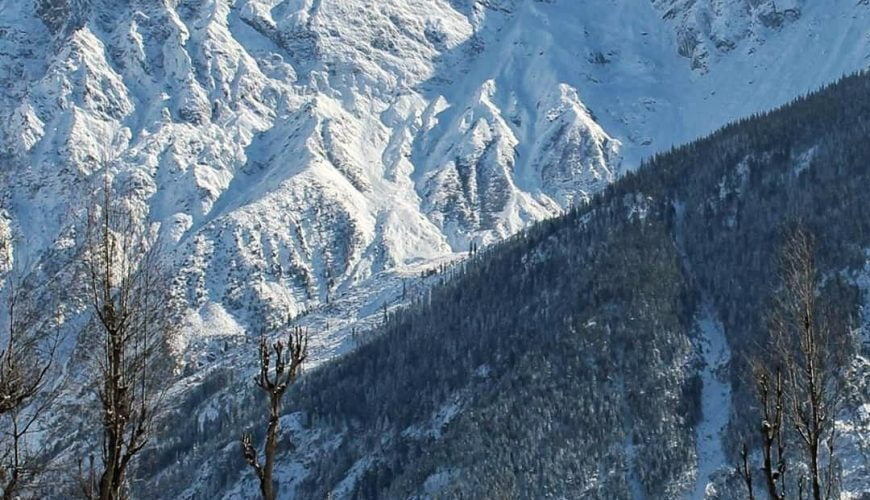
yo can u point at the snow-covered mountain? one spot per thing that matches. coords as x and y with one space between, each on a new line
291 150
303 152
602 353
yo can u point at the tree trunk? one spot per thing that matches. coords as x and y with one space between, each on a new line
814 471
266 485
288 360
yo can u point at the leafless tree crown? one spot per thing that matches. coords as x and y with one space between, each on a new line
799 381
128 294
26 357
275 376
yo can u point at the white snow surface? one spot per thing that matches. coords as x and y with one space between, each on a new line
715 404
313 157
291 150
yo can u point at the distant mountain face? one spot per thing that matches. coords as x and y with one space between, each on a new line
602 354
291 150
706 30
310 154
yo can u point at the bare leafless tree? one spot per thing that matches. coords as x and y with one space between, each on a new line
25 361
770 393
133 320
23 462
287 364
21 374
807 340
798 381
744 470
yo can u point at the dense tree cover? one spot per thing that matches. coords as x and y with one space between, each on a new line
563 362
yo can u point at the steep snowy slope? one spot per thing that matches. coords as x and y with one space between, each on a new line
292 149
600 354
303 152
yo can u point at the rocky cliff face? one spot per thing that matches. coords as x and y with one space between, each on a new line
290 150
708 30
300 152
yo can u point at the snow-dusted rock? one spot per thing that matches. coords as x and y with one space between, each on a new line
303 151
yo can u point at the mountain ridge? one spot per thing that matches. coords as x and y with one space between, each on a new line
314 158
574 358
409 129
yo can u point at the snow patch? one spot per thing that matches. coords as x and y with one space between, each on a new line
715 402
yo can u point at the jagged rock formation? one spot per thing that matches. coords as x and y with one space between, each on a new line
308 155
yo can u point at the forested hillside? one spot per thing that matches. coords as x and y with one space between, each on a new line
566 362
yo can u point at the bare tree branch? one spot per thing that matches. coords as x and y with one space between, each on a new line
133 321
288 360
800 397
25 363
